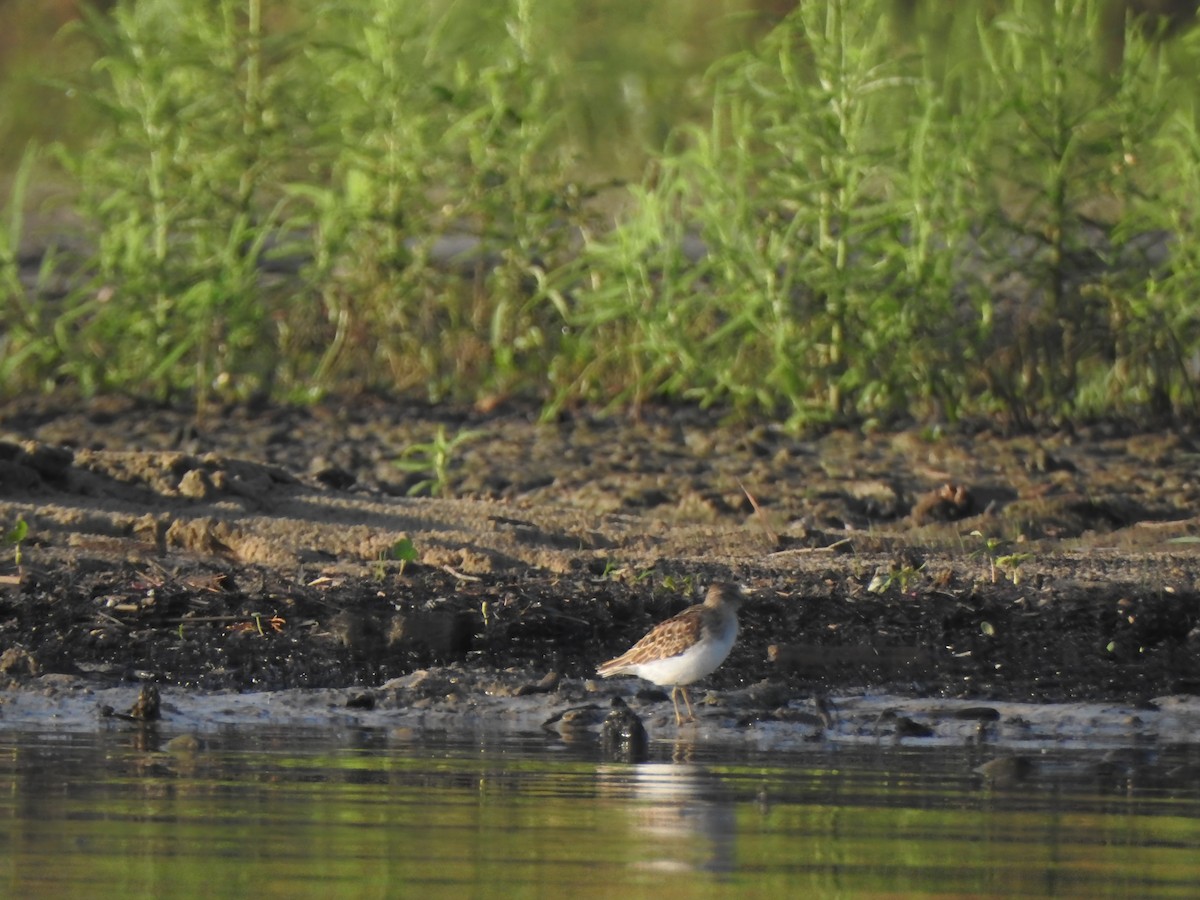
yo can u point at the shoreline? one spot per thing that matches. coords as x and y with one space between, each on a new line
264 554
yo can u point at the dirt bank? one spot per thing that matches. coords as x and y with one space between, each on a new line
255 549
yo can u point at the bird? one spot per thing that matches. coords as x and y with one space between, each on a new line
684 648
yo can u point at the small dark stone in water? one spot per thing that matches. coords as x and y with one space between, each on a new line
183 745
622 736
1006 771
576 720
361 701
906 727
148 706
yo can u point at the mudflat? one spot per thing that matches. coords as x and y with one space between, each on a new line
267 548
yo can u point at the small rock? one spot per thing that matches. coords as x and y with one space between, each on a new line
18 661
1006 771
906 727
195 485
148 706
577 720
622 736
183 745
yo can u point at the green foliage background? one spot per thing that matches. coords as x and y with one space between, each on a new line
851 216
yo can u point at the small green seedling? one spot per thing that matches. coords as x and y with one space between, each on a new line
991 550
433 459
14 536
404 551
1010 564
682 585
1007 563
903 577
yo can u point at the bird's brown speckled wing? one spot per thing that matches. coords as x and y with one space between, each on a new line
667 639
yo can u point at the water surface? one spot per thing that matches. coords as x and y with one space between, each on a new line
375 813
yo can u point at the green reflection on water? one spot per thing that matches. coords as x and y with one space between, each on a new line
293 815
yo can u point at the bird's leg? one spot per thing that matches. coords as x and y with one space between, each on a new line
687 700
675 692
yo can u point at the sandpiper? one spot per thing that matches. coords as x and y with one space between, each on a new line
685 648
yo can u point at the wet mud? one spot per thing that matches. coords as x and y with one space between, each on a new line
266 548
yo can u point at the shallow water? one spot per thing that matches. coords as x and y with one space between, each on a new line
378 813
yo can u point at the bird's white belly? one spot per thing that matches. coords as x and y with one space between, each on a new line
690 665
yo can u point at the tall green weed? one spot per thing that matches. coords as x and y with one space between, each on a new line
890 232
880 220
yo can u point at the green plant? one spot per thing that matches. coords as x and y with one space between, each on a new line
902 577
14 537
892 229
882 218
617 571
27 348
813 296
434 460
448 195
1010 564
989 551
684 585
612 569
405 551
1046 125
992 550
180 187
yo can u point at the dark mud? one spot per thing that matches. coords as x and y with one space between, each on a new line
253 549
